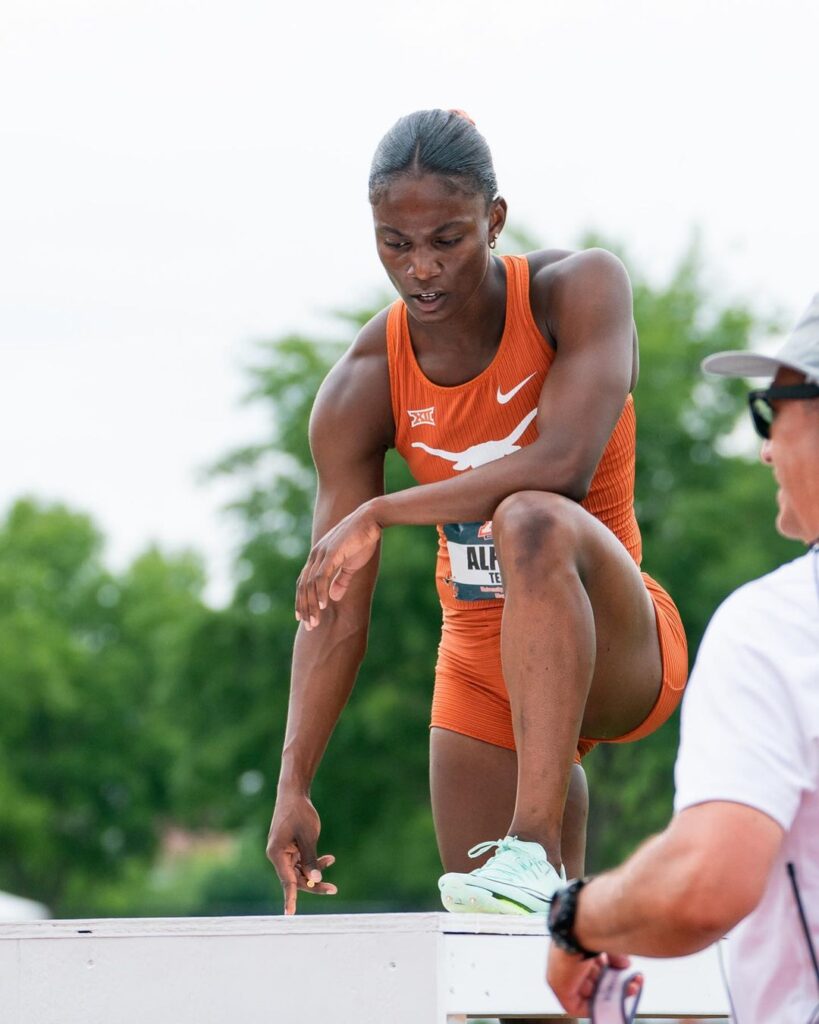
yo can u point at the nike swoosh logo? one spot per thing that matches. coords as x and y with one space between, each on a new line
504 398
507 888
487 876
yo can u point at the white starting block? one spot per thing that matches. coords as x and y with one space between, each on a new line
348 969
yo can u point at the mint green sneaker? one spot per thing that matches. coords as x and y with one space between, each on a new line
518 879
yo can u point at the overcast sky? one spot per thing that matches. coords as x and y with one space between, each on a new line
180 179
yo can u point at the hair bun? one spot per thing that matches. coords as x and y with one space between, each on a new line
463 114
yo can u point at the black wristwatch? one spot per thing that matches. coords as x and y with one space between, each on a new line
561 919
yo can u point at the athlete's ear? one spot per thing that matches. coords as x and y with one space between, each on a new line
497 216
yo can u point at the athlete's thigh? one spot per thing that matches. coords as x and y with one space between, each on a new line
628 663
473 786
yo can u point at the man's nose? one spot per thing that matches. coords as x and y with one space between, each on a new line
765 452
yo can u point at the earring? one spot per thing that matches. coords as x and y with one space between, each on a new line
493 241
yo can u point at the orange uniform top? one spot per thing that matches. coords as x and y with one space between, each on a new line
444 431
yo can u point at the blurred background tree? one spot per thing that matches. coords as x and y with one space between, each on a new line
131 714
89 664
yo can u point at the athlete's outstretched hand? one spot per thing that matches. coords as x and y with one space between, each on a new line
334 560
291 847
573 979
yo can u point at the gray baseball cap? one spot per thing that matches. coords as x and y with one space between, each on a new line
800 352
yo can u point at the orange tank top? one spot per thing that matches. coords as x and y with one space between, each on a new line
444 431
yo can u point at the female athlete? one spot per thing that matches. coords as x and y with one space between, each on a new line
506 385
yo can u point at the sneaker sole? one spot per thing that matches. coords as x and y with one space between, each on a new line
460 898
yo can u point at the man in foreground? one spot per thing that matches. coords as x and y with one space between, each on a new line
742 851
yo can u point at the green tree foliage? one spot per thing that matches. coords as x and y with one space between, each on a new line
88 663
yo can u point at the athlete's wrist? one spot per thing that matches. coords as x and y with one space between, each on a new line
291 791
378 510
294 780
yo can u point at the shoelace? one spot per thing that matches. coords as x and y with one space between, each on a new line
510 857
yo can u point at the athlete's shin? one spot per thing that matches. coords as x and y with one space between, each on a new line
548 650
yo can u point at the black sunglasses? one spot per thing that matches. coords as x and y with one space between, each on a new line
762 412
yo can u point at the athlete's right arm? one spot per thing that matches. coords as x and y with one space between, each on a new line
351 428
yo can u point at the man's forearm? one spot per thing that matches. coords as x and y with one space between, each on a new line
653 905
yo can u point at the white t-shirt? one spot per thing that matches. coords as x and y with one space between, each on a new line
750 734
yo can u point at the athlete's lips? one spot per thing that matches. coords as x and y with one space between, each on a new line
428 300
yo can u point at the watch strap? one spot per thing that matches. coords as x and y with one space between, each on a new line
561 919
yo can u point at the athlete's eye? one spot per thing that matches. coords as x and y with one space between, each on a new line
449 242
392 244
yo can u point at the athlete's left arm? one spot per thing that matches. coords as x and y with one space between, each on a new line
584 303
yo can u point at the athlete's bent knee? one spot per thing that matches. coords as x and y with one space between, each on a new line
530 525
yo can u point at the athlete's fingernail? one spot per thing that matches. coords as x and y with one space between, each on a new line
314 876
331 891
322 605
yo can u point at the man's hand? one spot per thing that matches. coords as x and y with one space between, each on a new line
573 979
335 558
291 848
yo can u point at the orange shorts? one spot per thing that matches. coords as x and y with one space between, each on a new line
470 695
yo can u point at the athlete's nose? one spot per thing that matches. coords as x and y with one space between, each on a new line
424 267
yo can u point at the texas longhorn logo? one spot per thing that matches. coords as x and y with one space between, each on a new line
486 451
422 417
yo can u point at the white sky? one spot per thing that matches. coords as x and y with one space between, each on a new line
179 179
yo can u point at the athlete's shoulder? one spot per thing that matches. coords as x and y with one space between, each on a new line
555 271
355 394
365 359
371 339
541 259
568 286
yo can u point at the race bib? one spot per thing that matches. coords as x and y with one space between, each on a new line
475 573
